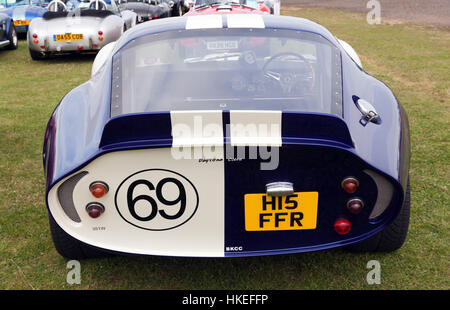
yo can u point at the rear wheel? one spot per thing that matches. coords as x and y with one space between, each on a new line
71 248
12 37
393 236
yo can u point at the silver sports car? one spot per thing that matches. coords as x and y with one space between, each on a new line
87 28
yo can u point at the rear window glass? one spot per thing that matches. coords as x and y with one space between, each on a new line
227 69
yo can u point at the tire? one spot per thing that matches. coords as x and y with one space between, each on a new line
392 237
71 248
37 55
12 37
179 9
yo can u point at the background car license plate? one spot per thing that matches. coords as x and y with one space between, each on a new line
293 212
21 22
68 37
220 45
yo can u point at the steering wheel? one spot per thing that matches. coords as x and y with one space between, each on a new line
57 6
290 79
97 5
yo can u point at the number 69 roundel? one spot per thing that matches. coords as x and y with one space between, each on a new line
156 199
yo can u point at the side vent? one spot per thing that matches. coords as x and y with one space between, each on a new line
65 196
385 193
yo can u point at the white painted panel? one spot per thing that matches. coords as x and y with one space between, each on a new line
253 128
201 235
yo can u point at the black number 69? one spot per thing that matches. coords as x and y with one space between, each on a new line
159 195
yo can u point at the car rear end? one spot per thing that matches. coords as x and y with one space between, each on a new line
211 150
59 32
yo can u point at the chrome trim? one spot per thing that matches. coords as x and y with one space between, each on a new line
369 113
100 183
279 189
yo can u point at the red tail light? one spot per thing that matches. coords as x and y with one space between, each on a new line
350 185
100 33
80 47
34 35
95 209
36 41
355 205
155 17
98 189
100 38
342 226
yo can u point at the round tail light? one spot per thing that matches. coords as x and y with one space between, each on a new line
100 33
95 209
355 205
98 189
100 38
350 185
34 35
342 226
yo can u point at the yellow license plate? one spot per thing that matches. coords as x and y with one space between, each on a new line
68 37
21 22
293 212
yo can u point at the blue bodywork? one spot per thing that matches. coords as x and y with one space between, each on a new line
5 24
25 10
332 144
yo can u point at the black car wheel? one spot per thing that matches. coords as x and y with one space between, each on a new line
393 236
71 248
12 37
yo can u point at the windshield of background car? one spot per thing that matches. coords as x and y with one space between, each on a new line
227 69
11 3
214 2
89 4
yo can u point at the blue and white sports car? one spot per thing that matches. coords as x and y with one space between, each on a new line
8 34
227 135
23 12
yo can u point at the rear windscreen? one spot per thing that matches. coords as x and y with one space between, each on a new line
227 69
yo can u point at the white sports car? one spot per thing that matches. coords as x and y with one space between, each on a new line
92 25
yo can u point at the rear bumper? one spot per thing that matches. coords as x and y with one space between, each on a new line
215 221
52 46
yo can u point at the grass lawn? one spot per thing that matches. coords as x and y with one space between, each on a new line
413 60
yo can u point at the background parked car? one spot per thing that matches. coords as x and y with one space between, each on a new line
22 12
8 34
177 7
146 9
99 23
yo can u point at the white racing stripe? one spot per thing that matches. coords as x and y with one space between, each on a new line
245 21
255 128
196 128
204 22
